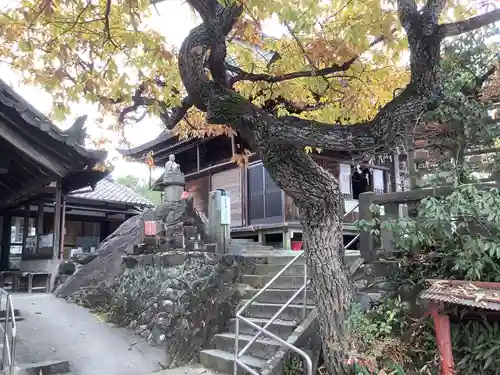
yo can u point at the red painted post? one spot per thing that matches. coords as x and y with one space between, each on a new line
443 339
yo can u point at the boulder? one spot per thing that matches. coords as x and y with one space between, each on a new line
84 258
108 264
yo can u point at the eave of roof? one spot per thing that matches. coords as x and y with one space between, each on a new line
10 98
160 145
76 164
164 137
111 191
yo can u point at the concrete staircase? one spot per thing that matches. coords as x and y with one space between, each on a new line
249 245
220 355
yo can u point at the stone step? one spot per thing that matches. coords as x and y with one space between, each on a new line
273 295
262 348
242 240
269 254
267 310
257 248
223 362
283 257
282 282
273 269
281 328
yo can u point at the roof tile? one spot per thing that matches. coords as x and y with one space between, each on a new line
109 190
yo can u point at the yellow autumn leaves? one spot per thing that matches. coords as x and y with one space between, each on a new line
102 51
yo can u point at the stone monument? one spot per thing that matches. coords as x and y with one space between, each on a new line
173 180
178 225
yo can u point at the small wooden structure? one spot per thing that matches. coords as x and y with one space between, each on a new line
478 295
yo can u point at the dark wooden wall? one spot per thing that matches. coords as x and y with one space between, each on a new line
255 198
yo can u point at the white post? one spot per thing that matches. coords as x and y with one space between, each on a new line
219 219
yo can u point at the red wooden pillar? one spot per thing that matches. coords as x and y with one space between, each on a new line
443 339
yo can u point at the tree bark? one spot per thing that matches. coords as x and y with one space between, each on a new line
332 289
317 195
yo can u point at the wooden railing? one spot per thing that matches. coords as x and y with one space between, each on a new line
395 205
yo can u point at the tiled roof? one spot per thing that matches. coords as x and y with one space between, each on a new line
11 99
109 190
484 295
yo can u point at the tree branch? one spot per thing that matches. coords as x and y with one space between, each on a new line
107 28
207 9
177 114
242 75
457 28
407 10
430 15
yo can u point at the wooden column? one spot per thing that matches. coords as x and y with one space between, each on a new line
39 224
26 225
104 231
197 157
62 229
443 339
57 220
287 240
244 195
5 243
366 244
233 145
395 183
412 168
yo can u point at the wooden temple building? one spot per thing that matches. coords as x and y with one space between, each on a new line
90 215
259 208
54 193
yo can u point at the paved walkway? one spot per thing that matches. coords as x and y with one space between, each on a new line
186 370
54 329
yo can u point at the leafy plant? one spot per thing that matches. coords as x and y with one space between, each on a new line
373 336
476 345
293 366
456 236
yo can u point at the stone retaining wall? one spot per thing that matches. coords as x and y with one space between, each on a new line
177 299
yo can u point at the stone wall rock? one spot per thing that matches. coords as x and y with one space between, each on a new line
107 265
177 299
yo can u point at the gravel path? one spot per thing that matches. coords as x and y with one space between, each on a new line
54 329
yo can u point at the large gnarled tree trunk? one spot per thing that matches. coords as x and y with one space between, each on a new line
316 193
281 141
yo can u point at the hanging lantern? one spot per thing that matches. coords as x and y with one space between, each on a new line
149 160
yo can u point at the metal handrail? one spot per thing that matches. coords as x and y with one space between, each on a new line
9 330
274 337
263 330
346 247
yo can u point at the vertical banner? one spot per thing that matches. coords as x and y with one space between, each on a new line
378 181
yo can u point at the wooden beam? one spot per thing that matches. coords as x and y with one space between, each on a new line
419 194
21 144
